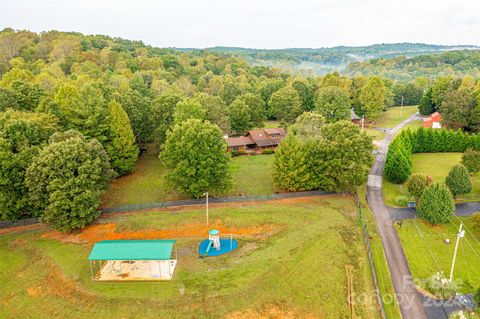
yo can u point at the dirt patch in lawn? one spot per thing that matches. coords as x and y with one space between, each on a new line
270 312
109 231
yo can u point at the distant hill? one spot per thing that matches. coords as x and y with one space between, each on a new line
324 60
452 63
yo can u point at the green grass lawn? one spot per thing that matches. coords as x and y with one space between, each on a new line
385 283
436 165
417 235
395 115
297 265
413 125
251 175
271 124
377 135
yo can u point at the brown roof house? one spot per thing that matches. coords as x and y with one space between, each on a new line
255 141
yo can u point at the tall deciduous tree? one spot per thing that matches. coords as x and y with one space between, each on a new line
308 125
372 97
189 109
456 108
240 120
256 107
285 104
121 149
66 180
22 134
196 158
333 103
217 110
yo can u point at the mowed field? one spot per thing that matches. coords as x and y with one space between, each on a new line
252 175
436 165
427 253
301 258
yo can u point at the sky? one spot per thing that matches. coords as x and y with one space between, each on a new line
264 24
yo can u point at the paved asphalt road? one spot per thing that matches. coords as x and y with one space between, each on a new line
413 305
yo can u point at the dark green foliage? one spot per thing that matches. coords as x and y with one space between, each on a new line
139 109
338 159
456 108
458 180
426 106
436 204
476 297
121 149
416 184
22 135
407 93
398 165
196 158
66 180
162 115
217 110
306 94
471 160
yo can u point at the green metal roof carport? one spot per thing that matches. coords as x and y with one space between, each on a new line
132 250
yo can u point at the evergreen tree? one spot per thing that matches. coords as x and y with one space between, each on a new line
416 184
291 165
471 160
121 149
436 204
398 164
458 180
426 106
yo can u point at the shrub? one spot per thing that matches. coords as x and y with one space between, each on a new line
458 180
436 204
402 201
267 151
398 165
441 286
416 184
471 160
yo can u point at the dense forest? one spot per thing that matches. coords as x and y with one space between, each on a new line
454 64
77 111
325 60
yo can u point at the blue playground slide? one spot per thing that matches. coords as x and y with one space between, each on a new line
205 248
208 247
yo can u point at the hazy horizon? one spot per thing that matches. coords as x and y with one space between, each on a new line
269 24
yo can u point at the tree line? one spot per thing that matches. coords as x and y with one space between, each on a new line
89 104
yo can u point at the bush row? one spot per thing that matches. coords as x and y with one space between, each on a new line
398 165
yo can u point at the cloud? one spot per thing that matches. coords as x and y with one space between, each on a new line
254 23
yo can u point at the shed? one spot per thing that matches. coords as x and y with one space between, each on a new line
132 260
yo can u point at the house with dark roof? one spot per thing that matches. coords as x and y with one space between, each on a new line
256 141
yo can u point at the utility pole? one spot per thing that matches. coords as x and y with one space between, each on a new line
206 202
363 121
460 234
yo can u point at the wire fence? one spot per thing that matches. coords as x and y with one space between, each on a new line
183 202
370 257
